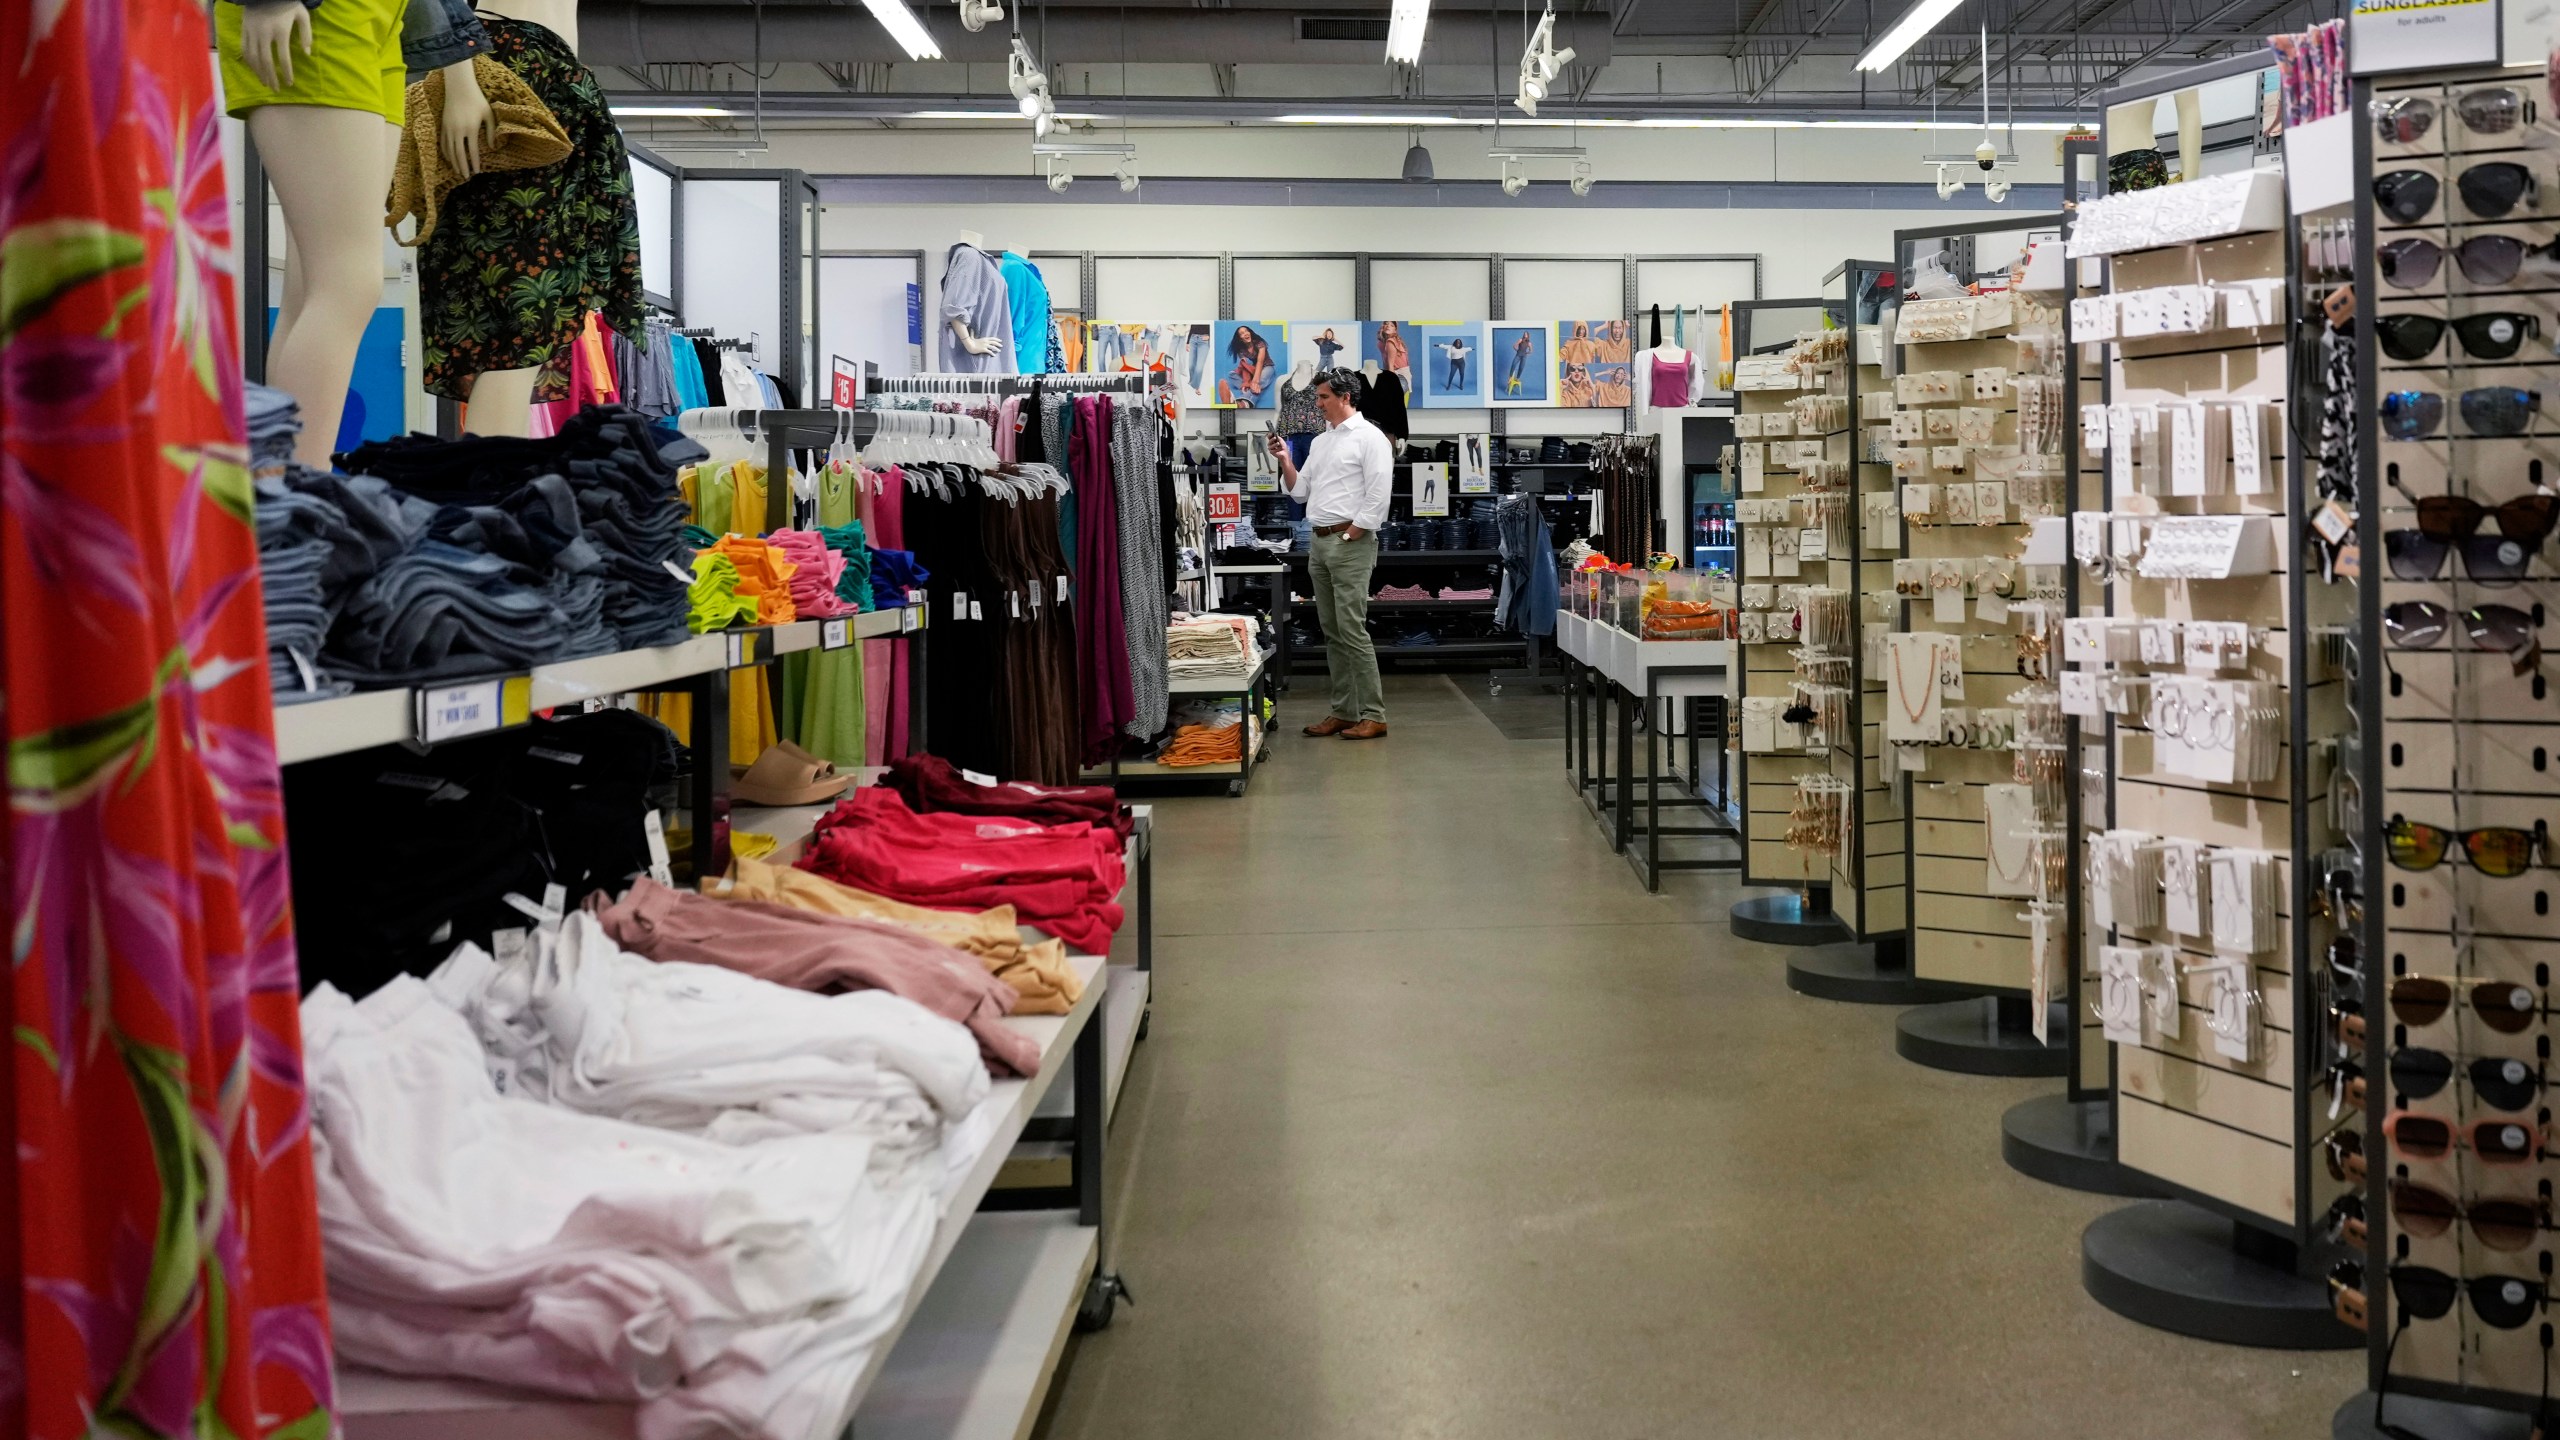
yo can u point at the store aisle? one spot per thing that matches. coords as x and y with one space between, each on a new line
1445 1128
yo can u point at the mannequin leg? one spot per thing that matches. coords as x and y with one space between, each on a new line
501 403
2190 135
331 169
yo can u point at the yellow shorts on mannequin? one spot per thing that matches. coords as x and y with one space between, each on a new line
354 62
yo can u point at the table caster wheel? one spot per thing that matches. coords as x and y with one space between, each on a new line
1101 1294
1146 1017
1235 789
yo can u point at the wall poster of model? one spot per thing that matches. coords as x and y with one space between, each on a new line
1452 365
1185 351
1250 356
1595 364
1519 365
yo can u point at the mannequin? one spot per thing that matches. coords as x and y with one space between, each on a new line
330 138
977 311
571 251
1667 374
2133 155
973 343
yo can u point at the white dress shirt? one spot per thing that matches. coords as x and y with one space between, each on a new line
1349 475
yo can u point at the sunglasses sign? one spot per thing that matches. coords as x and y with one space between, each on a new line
2388 35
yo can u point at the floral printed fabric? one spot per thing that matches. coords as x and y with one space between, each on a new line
159 1242
520 257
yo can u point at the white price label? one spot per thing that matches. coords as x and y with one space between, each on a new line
959 605
910 619
656 831
977 611
1062 589
449 712
834 634
915 597
737 650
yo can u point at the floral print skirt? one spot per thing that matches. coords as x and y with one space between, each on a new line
520 256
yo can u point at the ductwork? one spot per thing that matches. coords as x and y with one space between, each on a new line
650 34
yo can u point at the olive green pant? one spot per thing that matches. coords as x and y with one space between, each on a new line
1340 570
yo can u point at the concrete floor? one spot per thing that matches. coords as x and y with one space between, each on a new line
1446 1128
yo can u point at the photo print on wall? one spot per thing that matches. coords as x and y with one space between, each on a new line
1250 357
1452 365
1518 366
1595 364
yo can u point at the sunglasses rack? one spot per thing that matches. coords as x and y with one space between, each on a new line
1811 536
2435 1001
1977 446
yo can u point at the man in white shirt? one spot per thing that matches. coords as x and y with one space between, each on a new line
1345 485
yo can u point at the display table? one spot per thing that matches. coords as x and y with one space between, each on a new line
1612 672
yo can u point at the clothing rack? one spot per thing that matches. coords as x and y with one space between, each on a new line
1133 382
783 431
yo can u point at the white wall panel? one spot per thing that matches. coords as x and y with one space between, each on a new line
1155 289
862 312
1429 289
1296 289
733 262
653 194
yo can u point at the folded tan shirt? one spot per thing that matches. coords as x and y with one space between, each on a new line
1039 972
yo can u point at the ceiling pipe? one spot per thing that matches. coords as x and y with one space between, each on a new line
648 34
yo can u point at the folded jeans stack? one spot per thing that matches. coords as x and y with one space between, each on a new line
1064 879
622 502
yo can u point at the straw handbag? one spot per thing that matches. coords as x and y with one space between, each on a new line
525 136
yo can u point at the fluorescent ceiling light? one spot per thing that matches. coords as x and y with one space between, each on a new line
1010 117
1682 122
672 112
1917 21
1404 31
905 28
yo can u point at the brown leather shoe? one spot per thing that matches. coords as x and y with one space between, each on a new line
1366 730
1329 725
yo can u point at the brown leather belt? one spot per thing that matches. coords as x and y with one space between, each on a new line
1333 529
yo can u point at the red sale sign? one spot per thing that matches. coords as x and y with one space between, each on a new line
1226 502
845 387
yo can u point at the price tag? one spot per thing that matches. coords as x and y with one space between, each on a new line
1013 603
509 946
959 605
834 634
915 597
555 906
977 611
910 619
737 650
1062 589
450 712
656 831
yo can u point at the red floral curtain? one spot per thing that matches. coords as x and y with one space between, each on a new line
159 1247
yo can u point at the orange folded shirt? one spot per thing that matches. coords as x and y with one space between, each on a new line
1038 972
764 575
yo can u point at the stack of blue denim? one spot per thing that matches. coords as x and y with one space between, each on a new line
294 550
591 516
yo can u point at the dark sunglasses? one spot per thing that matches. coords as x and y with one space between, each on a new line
2483 260
2528 518
2345 1221
2344 1150
2499 851
2491 191
2433 1137
2491 410
2502 1005
2427 1212
2406 195
2483 337
2502 1301
2423 625
2495 110
2501 1082
2486 559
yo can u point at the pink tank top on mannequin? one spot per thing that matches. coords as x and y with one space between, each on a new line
1670 388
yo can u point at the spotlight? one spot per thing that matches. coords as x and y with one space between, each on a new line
1045 123
1580 184
1513 182
1950 184
976 15
1061 178
1995 191
1128 175
1540 63
1022 76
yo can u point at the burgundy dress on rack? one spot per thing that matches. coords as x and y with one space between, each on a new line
1102 647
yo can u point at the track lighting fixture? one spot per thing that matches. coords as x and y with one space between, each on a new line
1580 184
1995 190
1540 63
1022 76
1513 182
1950 183
1060 177
1128 175
977 15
